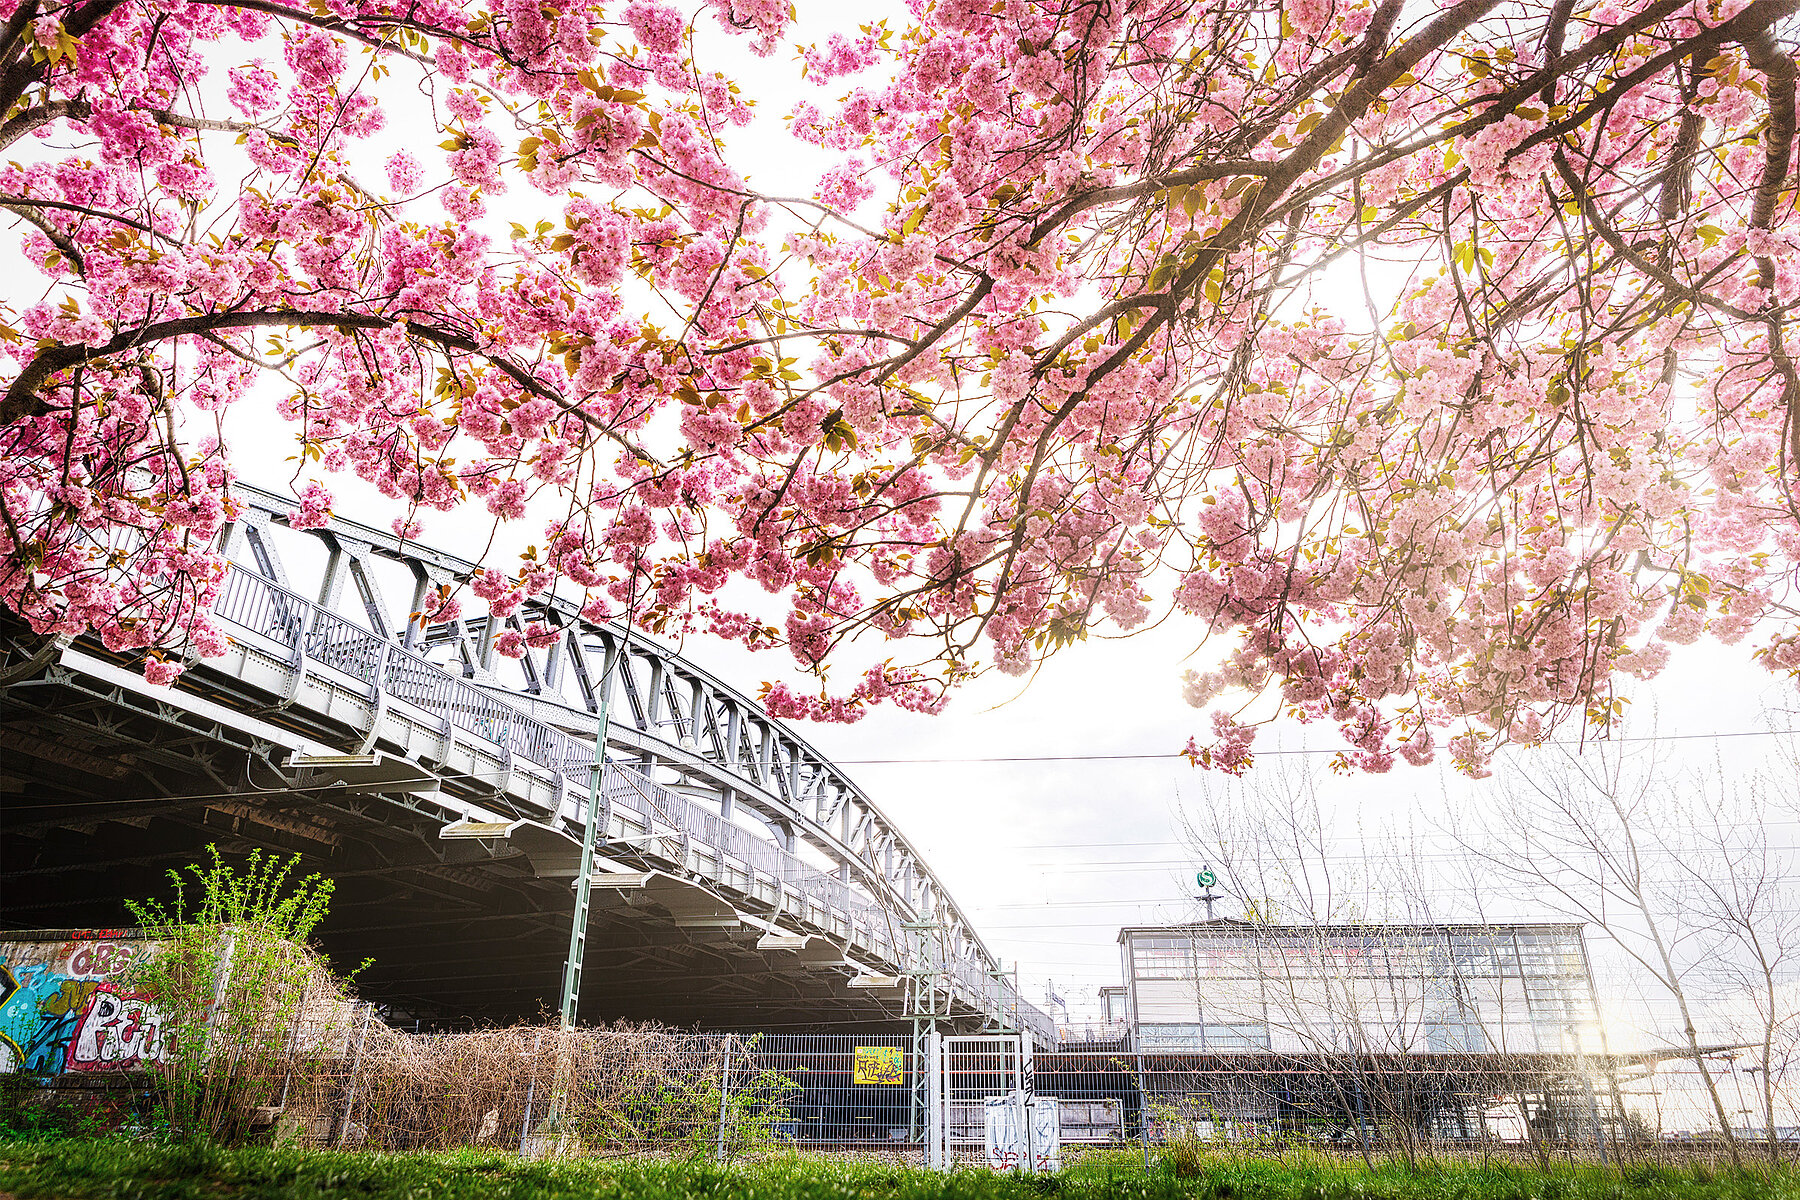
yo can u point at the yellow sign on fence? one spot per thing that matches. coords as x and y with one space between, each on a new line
879 1064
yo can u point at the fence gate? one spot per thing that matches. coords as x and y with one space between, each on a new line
965 1070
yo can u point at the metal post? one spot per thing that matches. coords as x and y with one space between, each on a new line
287 1056
936 1135
221 982
537 1050
926 994
1207 880
1027 1092
1594 1117
584 886
350 1090
1143 1111
724 1094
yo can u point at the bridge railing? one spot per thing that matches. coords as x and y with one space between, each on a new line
254 603
250 602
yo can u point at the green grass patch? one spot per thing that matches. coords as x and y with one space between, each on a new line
122 1169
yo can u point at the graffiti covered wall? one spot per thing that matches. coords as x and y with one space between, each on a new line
62 1007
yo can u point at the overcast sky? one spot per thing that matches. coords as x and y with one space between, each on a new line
1052 857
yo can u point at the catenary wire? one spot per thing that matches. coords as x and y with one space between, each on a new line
1305 750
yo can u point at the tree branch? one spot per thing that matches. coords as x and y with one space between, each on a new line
43 114
22 401
62 240
17 203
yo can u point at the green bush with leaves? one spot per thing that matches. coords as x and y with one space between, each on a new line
754 1112
248 1010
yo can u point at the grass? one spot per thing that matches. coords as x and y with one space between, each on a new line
120 1169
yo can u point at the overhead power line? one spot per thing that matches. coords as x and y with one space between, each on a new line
1173 754
1377 856
1392 842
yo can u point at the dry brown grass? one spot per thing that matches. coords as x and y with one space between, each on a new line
603 1090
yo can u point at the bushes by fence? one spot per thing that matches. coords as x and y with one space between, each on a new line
597 1090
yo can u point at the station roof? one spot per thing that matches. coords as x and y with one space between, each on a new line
1225 926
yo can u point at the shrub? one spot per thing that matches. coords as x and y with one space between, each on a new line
244 1007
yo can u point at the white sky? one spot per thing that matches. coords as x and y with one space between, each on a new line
1051 858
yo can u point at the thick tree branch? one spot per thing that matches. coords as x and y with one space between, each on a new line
41 115
1777 67
22 401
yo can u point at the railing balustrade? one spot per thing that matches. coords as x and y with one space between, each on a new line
250 602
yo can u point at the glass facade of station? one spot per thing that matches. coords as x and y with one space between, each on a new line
1234 986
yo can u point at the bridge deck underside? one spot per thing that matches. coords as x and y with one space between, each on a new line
102 793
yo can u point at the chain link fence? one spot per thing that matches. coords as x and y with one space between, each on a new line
540 1091
544 1091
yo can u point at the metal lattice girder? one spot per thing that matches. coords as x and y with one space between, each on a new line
676 715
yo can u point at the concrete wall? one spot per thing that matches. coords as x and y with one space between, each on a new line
62 1009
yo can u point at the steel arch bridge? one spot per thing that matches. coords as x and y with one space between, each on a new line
744 881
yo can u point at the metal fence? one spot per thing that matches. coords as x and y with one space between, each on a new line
541 1091
833 1090
968 1070
1344 1102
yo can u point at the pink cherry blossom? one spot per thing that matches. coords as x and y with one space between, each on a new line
404 173
657 26
1048 348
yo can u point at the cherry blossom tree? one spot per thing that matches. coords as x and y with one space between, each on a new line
1433 355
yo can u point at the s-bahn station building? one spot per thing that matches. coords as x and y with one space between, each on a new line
1449 1031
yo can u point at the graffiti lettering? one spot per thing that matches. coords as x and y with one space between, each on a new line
101 958
118 1030
879 1064
68 1000
46 996
39 1017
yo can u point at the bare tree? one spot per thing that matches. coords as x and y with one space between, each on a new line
1352 968
1596 836
1268 841
1740 888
